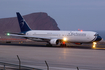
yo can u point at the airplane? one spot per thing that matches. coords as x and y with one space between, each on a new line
55 37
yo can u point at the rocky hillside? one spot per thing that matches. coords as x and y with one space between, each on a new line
36 21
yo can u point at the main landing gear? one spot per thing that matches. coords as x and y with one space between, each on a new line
62 45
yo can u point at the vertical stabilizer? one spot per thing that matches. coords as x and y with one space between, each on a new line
22 23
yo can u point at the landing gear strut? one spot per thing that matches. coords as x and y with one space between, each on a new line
63 45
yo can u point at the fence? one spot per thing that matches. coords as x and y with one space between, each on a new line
9 66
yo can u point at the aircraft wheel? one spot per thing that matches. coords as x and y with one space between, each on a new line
63 45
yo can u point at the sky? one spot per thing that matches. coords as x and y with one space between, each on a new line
69 14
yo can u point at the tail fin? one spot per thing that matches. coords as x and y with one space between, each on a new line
22 23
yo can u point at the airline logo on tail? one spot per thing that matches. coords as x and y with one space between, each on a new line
22 23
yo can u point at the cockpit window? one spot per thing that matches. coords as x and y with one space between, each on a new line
96 35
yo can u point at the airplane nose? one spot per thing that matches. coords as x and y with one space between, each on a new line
99 38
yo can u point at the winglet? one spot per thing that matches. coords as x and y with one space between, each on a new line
22 23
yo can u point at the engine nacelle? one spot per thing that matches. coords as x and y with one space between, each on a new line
54 41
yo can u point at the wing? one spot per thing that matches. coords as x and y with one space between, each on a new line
34 37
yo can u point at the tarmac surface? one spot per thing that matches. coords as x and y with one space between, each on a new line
58 58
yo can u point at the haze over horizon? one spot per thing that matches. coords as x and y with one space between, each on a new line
69 14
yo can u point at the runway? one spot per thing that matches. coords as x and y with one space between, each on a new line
58 58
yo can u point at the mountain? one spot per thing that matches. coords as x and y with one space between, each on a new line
36 21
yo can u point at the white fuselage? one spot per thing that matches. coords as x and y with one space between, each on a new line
72 36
